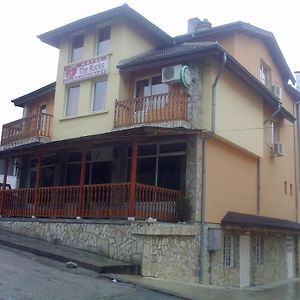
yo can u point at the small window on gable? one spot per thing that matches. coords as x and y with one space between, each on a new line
273 132
265 75
77 48
103 46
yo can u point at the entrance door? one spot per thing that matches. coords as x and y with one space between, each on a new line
244 260
290 256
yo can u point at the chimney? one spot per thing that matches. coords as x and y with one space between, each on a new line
195 24
297 75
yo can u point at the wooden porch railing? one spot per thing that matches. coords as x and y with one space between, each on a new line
156 108
35 125
100 201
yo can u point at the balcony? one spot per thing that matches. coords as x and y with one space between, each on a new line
36 127
151 109
91 201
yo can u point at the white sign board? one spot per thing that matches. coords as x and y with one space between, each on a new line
86 69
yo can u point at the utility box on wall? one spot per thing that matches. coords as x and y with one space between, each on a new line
214 239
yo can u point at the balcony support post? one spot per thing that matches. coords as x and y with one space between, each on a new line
6 161
82 182
131 208
37 185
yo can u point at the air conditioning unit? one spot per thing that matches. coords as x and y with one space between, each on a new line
277 149
171 74
276 90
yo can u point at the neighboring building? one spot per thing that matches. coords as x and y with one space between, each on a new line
137 121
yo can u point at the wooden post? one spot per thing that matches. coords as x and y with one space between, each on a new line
82 183
37 185
131 210
4 185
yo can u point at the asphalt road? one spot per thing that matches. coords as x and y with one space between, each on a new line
24 276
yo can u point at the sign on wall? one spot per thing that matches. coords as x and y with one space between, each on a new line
86 69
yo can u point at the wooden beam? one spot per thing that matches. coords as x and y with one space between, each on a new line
131 208
82 183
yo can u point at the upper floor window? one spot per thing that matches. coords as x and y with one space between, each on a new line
77 48
99 98
273 132
72 101
265 75
103 45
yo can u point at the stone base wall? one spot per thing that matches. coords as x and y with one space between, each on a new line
163 250
272 269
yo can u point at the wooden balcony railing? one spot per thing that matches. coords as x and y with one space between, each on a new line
98 201
33 126
156 108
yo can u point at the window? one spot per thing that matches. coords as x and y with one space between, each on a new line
259 250
228 250
265 75
72 101
150 86
99 99
273 132
103 46
77 48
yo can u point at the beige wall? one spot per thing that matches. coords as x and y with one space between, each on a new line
239 112
231 181
275 171
250 51
125 42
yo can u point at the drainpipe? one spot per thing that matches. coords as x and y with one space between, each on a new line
203 172
296 155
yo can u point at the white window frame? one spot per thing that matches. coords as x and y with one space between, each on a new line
265 74
72 58
259 250
107 42
67 101
228 250
94 95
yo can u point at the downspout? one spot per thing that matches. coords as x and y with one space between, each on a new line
203 172
296 156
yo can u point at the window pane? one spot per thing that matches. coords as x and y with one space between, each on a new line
146 170
171 172
77 48
142 88
169 148
103 40
99 95
147 150
158 87
72 101
73 174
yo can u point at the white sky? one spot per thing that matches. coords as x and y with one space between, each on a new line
28 64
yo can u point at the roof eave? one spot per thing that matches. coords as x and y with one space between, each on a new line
53 37
37 93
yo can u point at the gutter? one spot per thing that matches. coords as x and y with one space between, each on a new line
203 172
